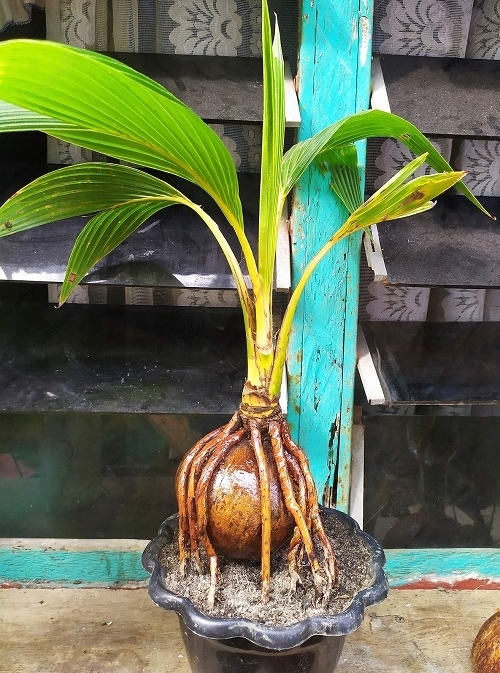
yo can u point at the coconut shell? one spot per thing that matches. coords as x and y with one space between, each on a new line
234 515
486 648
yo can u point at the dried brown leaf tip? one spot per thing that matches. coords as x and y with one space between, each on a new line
414 196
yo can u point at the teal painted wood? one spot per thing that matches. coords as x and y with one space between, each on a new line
334 67
363 82
70 567
33 566
453 566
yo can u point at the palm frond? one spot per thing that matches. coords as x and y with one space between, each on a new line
359 126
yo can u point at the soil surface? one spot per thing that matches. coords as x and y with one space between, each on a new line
238 588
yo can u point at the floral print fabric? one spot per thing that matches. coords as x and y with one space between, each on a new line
422 27
455 28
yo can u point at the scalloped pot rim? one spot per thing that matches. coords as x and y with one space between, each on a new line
269 637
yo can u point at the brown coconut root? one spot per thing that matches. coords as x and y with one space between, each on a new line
196 472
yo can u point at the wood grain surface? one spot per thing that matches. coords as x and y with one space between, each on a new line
103 631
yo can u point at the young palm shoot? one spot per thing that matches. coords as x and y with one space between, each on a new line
102 105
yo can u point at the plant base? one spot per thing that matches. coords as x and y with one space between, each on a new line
239 645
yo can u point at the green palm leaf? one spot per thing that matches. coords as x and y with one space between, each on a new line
113 111
103 105
342 165
103 233
388 203
101 186
15 118
273 133
367 124
127 196
396 199
106 230
133 74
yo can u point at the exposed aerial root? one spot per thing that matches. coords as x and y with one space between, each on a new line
265 508
296 548
187 520
186 524
292 506
200 504
270 441
313 509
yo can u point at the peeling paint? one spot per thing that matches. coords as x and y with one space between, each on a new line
454 585
334 431
354 30
366 38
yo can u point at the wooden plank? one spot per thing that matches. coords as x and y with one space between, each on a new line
94 631
418 632
333 81
50 562
87 563
362 81
467 568
106 631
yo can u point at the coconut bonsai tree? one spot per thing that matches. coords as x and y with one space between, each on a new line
103 105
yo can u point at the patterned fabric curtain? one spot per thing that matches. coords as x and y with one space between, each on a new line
205 27
422 27
484 34
17 11
455 28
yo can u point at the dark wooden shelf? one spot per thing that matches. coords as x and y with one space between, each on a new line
451 245
435 363
172 249
115 359
221 89
445 96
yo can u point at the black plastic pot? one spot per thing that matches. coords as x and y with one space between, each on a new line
217 645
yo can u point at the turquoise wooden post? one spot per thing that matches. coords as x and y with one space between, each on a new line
333 78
